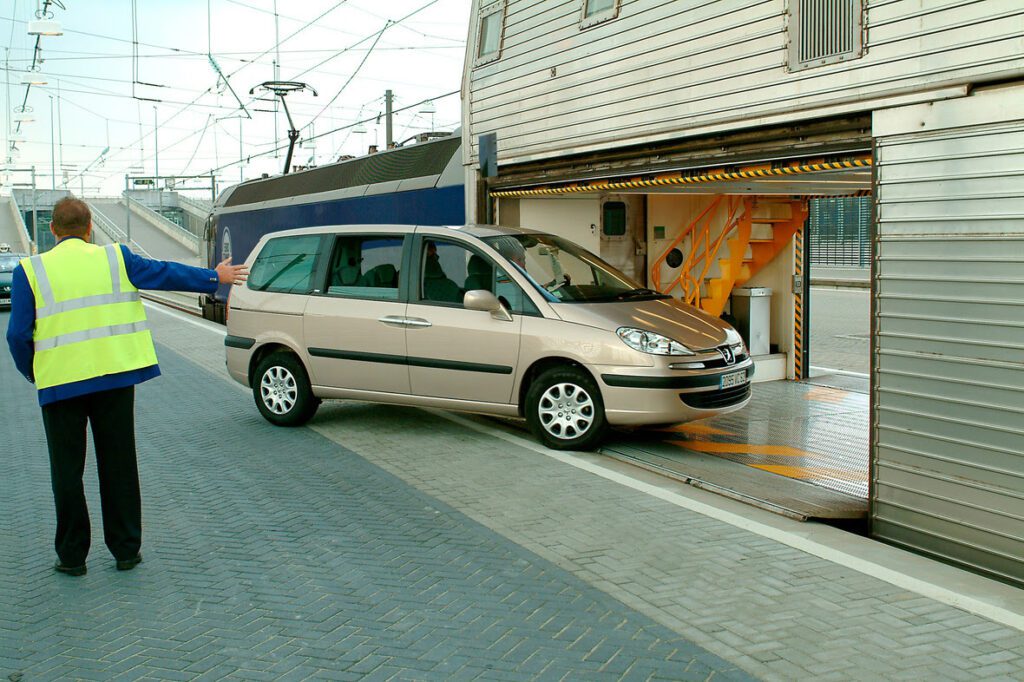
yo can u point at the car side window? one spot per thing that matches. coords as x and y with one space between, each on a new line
365 266
285 265
448 270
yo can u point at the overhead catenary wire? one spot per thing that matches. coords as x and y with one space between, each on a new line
197 137
330 132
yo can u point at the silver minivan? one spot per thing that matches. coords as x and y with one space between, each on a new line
494 320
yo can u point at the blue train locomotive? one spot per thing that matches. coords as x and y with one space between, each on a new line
420 184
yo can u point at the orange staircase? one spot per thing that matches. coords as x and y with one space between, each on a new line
754 233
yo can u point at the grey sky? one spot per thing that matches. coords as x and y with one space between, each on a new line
91 68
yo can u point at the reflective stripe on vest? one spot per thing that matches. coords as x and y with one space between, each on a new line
51 307
92 335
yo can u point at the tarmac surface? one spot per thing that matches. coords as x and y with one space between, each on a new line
396 543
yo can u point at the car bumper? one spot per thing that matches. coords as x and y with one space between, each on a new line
659 395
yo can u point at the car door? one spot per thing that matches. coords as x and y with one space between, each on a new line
354 328
453 352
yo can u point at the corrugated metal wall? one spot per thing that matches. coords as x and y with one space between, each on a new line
661 69
948 457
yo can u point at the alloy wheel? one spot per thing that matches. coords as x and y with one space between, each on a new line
566 411
278 390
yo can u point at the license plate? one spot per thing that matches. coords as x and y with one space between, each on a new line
734 379
5 301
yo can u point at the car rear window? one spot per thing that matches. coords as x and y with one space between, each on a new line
285 264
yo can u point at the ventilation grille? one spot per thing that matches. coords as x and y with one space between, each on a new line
824 32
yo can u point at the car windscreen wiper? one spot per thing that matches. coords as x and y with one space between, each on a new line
642 291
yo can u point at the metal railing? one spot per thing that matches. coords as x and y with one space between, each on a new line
201 205
20 218
115 233
167 225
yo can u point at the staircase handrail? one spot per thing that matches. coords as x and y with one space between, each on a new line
710 253
656 268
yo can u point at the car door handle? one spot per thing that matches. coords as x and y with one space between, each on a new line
392 320
396 321
417 322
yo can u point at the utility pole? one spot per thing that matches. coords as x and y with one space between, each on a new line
241 152
53 157
7 130
389 96
60 135
35 218
156 162
128 211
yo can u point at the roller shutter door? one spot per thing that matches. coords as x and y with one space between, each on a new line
948 384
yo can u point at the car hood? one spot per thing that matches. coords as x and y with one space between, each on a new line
680 322
5 279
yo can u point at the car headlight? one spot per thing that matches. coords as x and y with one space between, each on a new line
649 342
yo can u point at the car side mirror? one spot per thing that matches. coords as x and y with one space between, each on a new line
485 301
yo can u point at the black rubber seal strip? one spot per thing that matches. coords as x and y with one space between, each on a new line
413 362
628 381
239 342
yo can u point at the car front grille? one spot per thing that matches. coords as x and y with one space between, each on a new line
710 400
719 363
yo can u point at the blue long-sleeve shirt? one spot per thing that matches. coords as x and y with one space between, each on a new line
143 273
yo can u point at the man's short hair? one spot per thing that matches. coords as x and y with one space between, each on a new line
71 217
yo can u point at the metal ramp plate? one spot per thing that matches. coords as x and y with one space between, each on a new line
798 449
779 494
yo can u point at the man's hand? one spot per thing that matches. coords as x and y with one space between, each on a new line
231 274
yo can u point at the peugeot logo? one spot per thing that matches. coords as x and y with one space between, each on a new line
726 352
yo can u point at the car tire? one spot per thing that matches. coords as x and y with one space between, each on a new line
564 409
282 390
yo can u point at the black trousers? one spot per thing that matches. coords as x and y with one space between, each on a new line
111 414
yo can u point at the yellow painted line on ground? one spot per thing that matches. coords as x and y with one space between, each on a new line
810 473
697 429
827 395
746 449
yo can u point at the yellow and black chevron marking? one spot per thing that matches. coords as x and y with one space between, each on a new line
798 306
681 179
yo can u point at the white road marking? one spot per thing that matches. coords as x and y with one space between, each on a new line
839 372
195 321
989 605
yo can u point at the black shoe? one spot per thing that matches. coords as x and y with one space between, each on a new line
129 564
61 567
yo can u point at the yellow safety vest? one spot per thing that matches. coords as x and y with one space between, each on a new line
89 319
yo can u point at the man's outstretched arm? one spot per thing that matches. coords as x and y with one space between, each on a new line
146 273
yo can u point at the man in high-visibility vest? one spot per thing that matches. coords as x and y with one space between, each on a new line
78 330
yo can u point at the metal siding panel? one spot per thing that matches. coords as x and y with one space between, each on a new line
948 461
639 75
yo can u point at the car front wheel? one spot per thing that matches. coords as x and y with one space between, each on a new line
282 390
564 409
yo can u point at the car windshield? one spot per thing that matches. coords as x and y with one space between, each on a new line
8 263
565 272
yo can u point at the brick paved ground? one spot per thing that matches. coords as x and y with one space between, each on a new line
777 612
774 611
278 554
